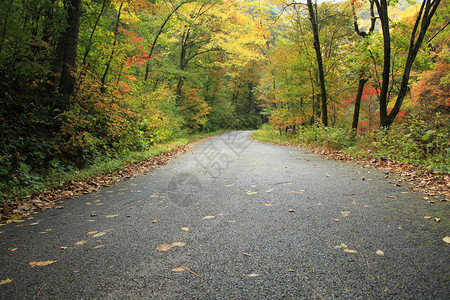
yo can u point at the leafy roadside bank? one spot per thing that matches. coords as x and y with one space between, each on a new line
58 187
434 184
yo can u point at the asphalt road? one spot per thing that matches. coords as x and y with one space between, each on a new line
263 221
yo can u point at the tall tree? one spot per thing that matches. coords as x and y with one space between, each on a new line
312 10
69 48
427 10
111 56
362 74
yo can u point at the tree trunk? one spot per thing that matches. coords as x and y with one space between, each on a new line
323 92
67 79
5 23
88 49
152 47
384 91
362 82
111 56
183 64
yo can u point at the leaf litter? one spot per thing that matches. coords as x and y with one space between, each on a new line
346 213
19 208
5 281
251 275
41 263
164 247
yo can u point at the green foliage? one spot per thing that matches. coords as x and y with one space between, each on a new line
415 141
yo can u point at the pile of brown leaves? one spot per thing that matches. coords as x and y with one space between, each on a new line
15 210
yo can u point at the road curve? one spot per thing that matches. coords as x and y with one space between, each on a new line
236 219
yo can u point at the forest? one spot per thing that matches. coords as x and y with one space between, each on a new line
84 82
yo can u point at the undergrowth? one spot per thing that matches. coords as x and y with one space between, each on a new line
415 141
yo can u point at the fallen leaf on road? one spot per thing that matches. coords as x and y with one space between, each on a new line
446 239
341 246
80 243
12 249
178 244
99 234
251 192
427 217
292 192
380 252
392 197
290 270
6 281
292 210
164 247
42 263
268 191
230 185
346 213
252 275
179 269
437 220
246 254
336 220
350 251
208 217
185 229
111 216
98 247
154 221
154 196
63 247
92 232
268 204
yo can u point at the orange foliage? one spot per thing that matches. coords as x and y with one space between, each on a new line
430 93
195 110
95 120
